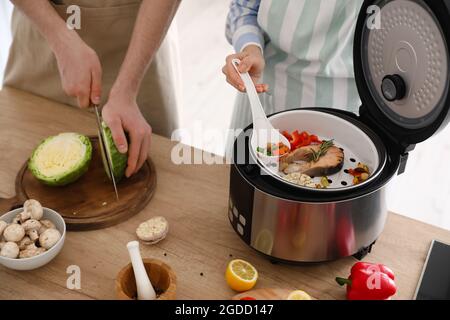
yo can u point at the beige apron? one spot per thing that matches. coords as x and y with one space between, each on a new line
106 26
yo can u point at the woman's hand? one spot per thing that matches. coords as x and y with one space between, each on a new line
80 70
121 113
252 61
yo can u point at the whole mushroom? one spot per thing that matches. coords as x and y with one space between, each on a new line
16 219
31 224
3 226
26 241
46 224
24 216
14 233
31 251
49 238
10 250
33 234
34 208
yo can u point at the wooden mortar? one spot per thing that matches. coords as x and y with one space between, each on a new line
161 276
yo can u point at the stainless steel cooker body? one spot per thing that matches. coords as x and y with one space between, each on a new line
300 231
294 224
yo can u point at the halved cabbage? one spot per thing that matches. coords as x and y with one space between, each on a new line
61 159
118 160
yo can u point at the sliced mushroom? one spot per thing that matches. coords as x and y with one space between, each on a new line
31 251
49 238
10 250
26 241
14 232
2 243
31 224
33 234
34 208
3 226
153 230
46 224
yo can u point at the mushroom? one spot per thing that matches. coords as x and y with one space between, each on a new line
26 241
24 216
3 226
46 224
14 232
31 251
31 224
16 219
33 234
10 250
2 243
34 208
49 238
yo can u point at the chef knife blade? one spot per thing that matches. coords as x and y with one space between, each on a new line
103 150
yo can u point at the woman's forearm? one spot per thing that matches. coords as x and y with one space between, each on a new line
52 27
151 26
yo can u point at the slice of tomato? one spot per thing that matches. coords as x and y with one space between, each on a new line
247 298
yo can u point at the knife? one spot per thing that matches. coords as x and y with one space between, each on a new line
105 154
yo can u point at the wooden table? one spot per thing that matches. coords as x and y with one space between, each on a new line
200 243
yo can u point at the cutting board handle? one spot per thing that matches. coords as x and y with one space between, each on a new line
9 204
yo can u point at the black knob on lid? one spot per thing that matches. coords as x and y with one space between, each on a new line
393 87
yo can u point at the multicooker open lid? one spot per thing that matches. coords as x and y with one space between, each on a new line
401 60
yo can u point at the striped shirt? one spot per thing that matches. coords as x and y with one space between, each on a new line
242 28
308 48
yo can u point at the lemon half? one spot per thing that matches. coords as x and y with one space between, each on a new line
241 275
299 295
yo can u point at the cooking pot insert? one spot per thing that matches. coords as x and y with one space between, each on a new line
355 142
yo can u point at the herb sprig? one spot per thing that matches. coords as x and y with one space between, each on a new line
323 149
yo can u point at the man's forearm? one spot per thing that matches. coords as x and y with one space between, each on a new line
151 26
46 19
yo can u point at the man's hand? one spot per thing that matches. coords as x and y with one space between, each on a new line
80 70
252 61
79 66
121 113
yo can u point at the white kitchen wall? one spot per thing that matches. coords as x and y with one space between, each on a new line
423 192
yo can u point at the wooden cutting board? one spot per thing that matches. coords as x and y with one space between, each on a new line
265 294
90 202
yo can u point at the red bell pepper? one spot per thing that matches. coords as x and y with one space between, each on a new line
302 139
296 140
369 281
287 135
306 139
315 139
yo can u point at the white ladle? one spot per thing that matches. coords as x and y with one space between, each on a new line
263 131
144 286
